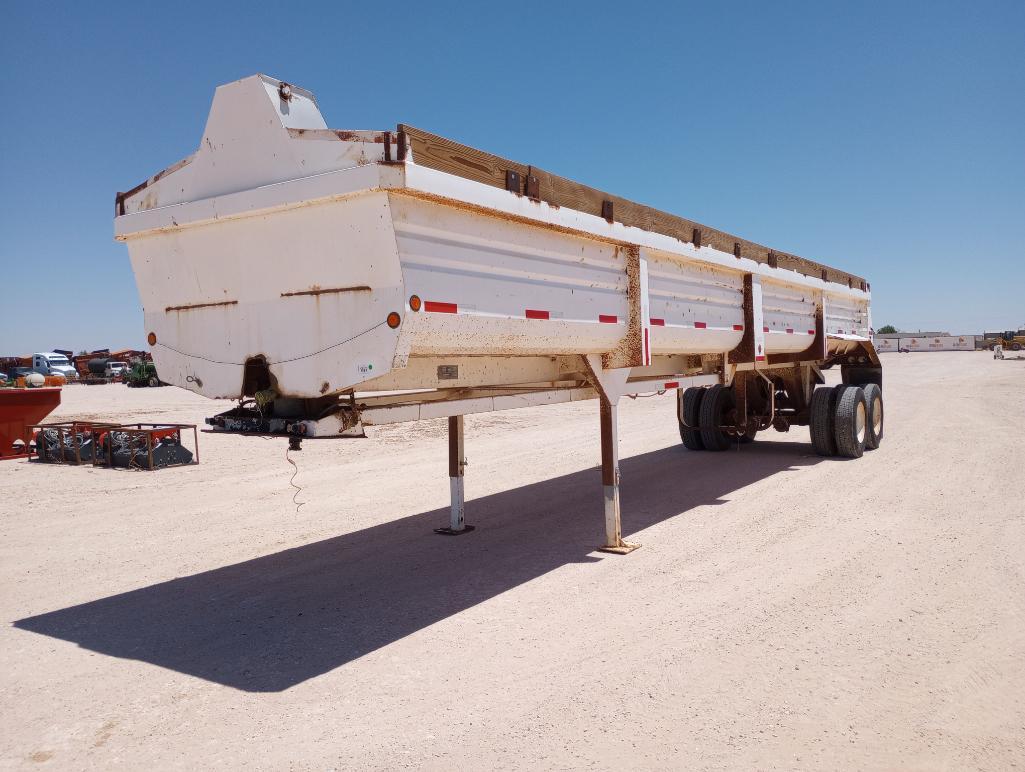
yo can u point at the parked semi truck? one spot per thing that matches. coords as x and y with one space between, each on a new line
331 280
53 363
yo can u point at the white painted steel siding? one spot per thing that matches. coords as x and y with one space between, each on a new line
788 317
847 315
338 339
491 275
694 308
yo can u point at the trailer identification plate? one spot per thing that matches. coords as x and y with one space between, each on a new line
448 372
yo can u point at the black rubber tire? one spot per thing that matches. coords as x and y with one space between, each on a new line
1016 346
823 405
874 406
851 410
714 405
691 412
153 382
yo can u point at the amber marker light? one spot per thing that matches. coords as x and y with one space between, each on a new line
152 339
414 302
394 319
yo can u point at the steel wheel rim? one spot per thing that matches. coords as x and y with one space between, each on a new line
859 422
877 416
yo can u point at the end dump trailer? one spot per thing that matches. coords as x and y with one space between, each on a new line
333 279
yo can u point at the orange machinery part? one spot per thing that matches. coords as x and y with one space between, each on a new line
48 380
19 409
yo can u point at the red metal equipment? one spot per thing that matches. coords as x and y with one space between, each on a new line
19 409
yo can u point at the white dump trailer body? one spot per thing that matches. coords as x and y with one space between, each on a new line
314 266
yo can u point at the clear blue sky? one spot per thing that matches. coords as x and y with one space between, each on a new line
886 139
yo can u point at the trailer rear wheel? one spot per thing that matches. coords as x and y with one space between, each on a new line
690 412
850 421
874 403
823 405
717 402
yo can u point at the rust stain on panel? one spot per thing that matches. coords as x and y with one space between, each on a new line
345 135
194 306
120 198
314 291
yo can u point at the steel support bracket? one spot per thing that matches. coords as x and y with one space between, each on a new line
512 181
533 187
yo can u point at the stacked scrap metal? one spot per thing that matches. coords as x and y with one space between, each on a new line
129 446
68 442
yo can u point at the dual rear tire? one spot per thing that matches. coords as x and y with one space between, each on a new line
703 411
690 418
846 420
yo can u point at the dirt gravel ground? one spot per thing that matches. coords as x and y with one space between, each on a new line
784 612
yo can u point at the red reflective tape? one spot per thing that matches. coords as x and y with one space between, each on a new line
440 308
839 332
647 355
811 332
765 329
658 322
608 319
535 314
738 327
760 357
672 384
790 330
700 325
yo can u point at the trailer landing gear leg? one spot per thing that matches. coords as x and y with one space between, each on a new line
610 479
456 465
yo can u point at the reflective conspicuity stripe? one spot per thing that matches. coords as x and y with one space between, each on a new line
533 313
738 327
790 330
700 325
440 308
658 322
672 384
608 319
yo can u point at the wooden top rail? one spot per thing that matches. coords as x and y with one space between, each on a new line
443 154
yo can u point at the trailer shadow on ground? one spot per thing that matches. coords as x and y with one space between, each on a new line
267 624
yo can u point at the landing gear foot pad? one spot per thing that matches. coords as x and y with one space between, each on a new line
452 532
624 548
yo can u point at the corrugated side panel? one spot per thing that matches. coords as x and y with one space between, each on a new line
846 316
788 317
695 308
492 286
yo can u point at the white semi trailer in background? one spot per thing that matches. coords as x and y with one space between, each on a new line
920 343
331 280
